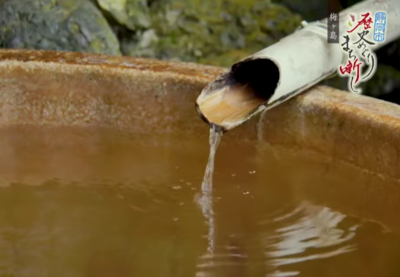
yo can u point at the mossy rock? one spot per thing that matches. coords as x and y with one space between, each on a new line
218 32
62 25
134 14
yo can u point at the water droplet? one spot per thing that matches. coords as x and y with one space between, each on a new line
354 228
176 167
181 180
252 172
188 184
176 219
176 187
181 203
233 175
246 192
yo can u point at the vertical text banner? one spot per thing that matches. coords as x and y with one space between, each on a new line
364 30
333 21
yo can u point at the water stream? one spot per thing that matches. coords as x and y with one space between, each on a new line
215 139
205 200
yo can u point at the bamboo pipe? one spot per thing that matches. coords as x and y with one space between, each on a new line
285 69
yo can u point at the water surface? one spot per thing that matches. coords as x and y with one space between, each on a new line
81 203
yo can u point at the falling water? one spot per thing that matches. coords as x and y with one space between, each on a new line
205 200
260 126
215 138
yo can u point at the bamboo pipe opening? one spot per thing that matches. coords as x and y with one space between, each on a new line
234 96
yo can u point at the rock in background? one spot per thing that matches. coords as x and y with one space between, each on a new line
63 25
217 32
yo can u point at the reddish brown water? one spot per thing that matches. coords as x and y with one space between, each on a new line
83 203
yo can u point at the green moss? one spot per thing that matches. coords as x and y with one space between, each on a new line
134 14
74 28
97 45
205 31
226 59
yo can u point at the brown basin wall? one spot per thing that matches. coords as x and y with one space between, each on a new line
150 97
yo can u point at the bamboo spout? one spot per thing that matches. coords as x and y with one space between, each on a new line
284 69
234 96
269 77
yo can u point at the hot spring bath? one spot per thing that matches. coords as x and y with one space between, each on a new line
102 157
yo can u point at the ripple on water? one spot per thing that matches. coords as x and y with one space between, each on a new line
317 231
285 238
150 219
